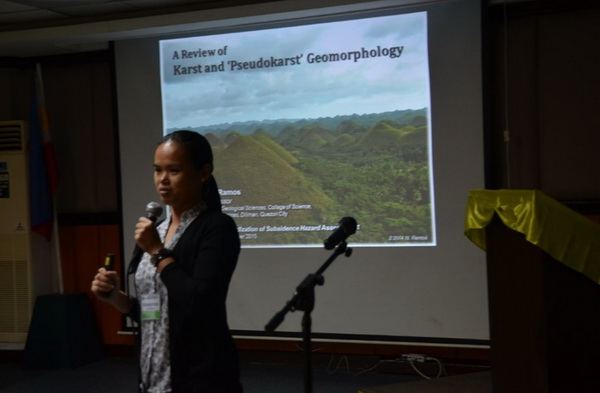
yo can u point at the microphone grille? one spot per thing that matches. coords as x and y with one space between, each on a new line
154 209
349 225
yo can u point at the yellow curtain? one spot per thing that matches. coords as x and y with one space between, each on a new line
561 232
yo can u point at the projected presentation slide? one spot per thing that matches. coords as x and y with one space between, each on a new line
310 124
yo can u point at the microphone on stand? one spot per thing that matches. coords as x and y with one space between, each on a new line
347 227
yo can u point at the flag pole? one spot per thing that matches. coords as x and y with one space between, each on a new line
56 248
51 172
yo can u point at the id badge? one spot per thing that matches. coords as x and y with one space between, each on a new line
151 307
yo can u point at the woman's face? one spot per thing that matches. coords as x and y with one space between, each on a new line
177 182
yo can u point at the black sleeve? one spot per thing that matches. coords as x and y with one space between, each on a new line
205 257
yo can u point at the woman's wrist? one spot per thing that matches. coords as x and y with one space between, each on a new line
122 302
164 263
160 255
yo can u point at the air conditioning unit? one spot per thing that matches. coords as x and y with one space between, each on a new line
16 295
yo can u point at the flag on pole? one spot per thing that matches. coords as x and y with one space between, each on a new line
43 170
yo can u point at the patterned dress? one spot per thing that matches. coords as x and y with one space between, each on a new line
155 357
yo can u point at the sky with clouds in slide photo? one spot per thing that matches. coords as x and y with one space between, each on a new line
323 76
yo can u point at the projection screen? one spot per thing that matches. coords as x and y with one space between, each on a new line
318 111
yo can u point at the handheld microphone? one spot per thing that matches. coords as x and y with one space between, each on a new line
153 211
347 227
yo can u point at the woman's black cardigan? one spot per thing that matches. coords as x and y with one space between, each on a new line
203 355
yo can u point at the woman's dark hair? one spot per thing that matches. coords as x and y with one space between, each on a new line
200 153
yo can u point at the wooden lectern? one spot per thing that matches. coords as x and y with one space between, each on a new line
543 262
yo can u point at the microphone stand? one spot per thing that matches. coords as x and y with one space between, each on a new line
304 300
